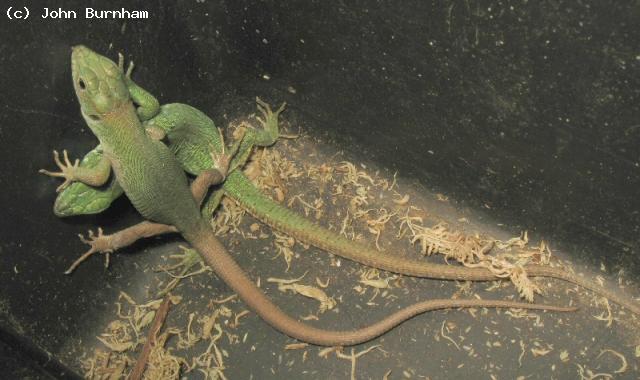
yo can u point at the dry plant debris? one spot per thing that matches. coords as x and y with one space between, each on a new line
284 285
442 334
284 245
371 277
185 261
228 217
606 315
162 363
587 374
623 361
125 334
352 357
474 251
154 348
375 209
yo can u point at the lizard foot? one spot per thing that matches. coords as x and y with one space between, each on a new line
99 243
269 119
67 170
185 261
221 160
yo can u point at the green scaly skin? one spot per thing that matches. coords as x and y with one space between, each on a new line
79 198
190 133
157 186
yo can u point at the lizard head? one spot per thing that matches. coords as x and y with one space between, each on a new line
99 85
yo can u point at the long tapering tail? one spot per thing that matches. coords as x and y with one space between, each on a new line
281 218
617 297
228 270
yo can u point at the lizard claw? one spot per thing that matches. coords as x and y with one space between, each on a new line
129 70
221 160
99 243
121 66
121 62
67 170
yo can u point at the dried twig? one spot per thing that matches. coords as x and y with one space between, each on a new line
158 321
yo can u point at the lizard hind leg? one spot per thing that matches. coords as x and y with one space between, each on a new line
270 117
106 244
99 244
269 121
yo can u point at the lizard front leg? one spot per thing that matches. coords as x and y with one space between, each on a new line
82 199
95 176
247 138
148 105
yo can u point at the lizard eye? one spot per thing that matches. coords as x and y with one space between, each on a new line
81 84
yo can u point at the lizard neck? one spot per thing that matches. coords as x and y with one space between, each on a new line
121 130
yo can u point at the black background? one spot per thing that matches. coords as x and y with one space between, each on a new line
528 111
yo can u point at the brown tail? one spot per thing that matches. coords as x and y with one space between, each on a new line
618 297
229 271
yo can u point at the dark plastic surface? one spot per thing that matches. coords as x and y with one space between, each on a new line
526 112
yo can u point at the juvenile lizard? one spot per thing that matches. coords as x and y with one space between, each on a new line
156 185
190 134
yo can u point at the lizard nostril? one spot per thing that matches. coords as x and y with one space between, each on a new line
94 117
81 84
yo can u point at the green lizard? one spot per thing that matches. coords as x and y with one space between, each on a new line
158 188
190 133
